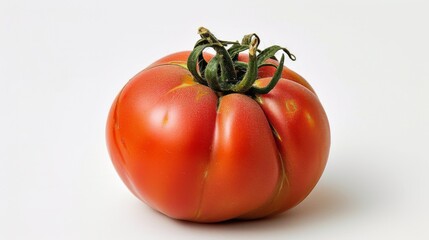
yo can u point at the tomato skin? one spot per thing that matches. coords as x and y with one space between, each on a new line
195 156
243 170
302 134
164 142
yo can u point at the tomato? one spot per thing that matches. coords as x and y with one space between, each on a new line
207 155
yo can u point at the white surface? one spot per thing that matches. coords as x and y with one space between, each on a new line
62 63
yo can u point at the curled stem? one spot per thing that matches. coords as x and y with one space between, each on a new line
224 72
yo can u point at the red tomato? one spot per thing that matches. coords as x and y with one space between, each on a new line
195 154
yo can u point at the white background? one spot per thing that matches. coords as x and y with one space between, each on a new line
63 62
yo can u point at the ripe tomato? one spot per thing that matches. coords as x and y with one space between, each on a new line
205 155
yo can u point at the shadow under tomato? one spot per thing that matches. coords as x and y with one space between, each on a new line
323 203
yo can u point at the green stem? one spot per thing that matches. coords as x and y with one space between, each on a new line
252 70
225 61
274 80
211 74
224 73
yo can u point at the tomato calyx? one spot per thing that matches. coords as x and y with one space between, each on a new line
224 73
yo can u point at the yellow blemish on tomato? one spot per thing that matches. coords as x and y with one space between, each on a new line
165 119
283 180
291 106
309 118
282 183
203 183
187 81
276 134
258 83
180 63
259 100
200 93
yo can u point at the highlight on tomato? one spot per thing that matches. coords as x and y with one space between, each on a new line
212 137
